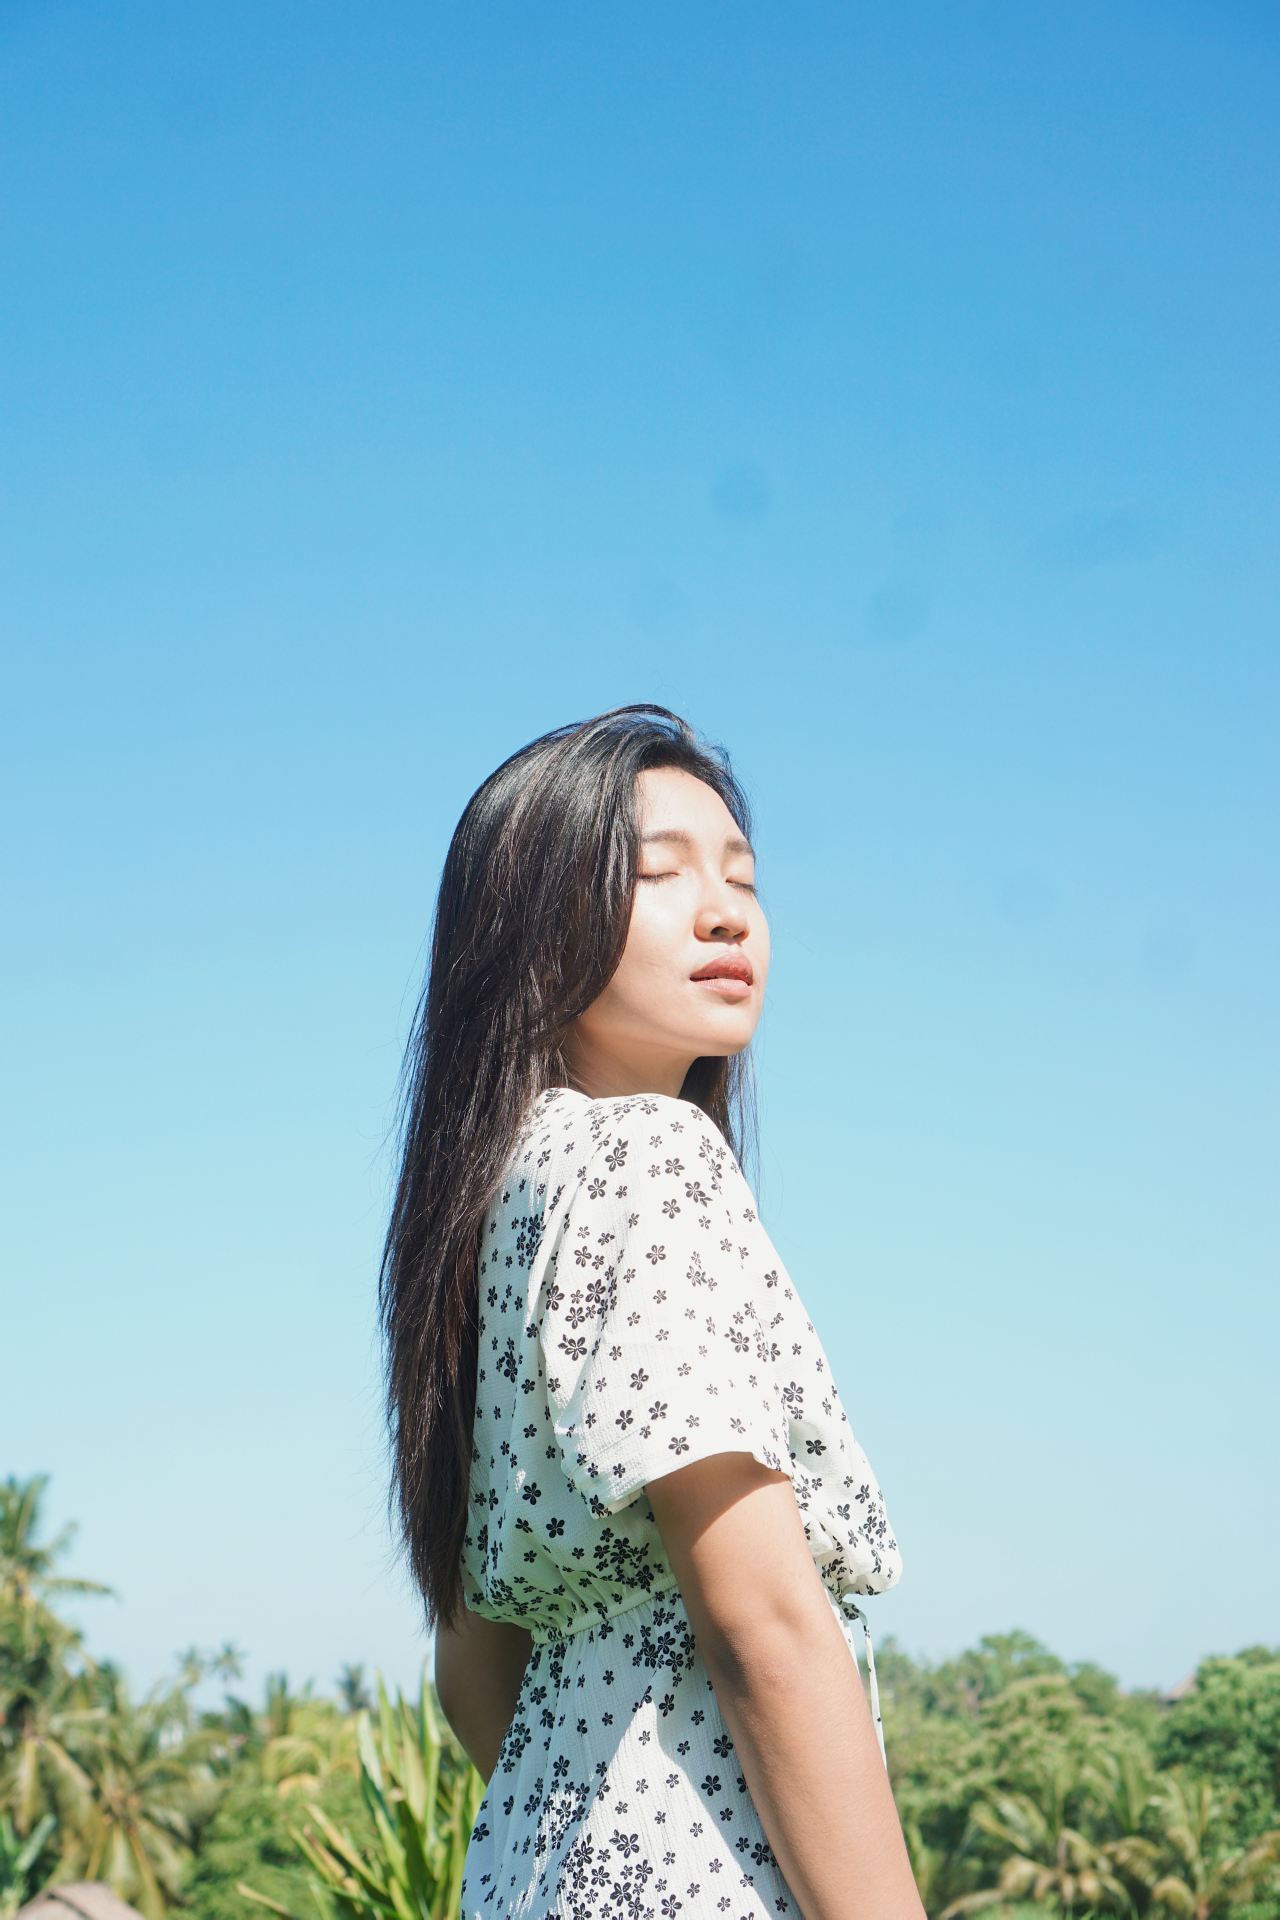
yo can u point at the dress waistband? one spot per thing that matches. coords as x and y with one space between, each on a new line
851 1607
589 1622
847 1603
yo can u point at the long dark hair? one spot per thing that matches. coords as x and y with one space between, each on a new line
530 923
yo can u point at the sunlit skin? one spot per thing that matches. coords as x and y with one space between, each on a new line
789 1690
695 900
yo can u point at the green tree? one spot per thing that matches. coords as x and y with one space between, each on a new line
321 1742
1045 1851
150 1780
253 1838
1195 1869
27 1576
422 1796
1227 1729
47 1720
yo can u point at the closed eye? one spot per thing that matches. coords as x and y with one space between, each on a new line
748 886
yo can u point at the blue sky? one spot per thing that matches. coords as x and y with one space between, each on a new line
894 396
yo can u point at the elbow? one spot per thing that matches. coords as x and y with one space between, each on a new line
768 1646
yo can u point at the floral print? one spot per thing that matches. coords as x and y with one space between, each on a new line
634 1315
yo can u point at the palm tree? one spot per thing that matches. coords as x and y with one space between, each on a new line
931 1867
353 1690
1126 1790
1125 1784
1193 1871
290 1735
283 1706
228 1662
1047 1858
149 1777
47 1719
195 1665
320 1742
27 1576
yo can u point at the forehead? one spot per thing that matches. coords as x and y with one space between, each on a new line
675 805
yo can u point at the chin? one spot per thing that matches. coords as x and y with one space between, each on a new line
728 1036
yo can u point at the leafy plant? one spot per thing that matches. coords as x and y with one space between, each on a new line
422 1796
18 1855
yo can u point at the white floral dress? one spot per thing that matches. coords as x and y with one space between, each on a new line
634 1315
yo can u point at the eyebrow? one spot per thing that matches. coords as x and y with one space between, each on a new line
734 842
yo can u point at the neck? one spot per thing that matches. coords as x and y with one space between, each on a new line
611 1078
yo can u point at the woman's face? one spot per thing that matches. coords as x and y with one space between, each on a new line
695 912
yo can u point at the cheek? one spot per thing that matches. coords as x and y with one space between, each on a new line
635 1001
762 948
652 936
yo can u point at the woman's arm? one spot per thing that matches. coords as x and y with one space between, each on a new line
479 1665
788 1686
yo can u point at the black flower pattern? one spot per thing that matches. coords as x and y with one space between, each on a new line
634 1316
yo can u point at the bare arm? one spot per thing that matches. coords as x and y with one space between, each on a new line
788 1687
479 1665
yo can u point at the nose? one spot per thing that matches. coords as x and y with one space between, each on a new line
723 913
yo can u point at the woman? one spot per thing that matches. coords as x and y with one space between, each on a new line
628 1490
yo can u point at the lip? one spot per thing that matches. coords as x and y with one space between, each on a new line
727 966
726 986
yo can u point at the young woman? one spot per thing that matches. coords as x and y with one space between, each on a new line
628 1490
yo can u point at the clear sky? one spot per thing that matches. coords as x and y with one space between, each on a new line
891 392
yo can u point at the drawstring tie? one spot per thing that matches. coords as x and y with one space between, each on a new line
855 1612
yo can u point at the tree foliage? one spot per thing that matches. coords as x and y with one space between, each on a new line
1026 1788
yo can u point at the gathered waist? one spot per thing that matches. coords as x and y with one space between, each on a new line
590 1620
846 1605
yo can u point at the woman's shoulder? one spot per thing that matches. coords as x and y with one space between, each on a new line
594 1138
651 1120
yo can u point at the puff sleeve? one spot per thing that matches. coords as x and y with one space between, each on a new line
659 1311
